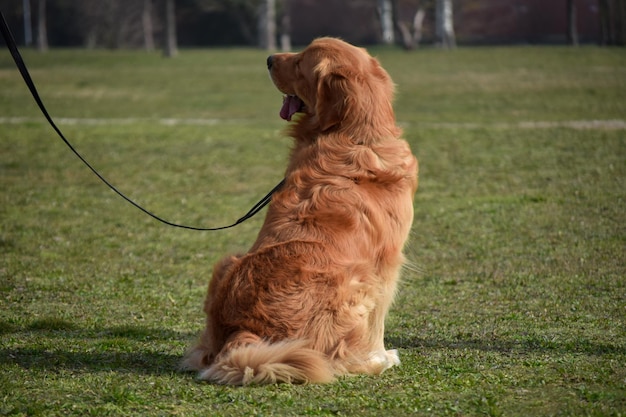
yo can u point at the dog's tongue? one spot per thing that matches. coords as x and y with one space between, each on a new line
291 105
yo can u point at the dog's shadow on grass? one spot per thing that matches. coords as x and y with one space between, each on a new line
54 344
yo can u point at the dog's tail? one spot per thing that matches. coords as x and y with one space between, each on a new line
267 363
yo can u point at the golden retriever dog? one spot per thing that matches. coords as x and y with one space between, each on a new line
308 301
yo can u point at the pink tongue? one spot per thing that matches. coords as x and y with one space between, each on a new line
291 105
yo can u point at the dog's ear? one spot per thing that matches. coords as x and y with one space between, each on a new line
335 95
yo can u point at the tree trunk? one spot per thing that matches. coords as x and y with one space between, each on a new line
285 28
418 25
146 21
407 38
400 28
572 26
445 24
42 27
612 22
171 44
411 36
28 26
267 25
385 11
606 35
621 23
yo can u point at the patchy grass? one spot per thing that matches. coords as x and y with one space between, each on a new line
514 299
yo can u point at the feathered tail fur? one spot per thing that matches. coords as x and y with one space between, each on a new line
267 363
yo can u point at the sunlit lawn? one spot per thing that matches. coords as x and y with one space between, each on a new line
514 301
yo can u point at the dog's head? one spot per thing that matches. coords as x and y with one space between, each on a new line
334 83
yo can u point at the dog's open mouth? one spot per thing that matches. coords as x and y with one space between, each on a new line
291 105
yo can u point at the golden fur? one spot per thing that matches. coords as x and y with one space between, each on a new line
308 301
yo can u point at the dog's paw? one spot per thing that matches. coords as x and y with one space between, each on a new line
382 360
392 358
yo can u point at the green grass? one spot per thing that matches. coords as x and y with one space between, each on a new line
514 302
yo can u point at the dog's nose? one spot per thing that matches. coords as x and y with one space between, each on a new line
269 61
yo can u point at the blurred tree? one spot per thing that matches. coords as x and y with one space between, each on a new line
285 26
146 23
42 29
111 23
267 25
620 17
444 24
410 34
386 15
242 15
28 26
612 22
171 44
141 23
572 25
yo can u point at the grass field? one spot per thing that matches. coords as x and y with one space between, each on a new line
514 302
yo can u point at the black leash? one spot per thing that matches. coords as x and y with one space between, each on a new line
21 66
